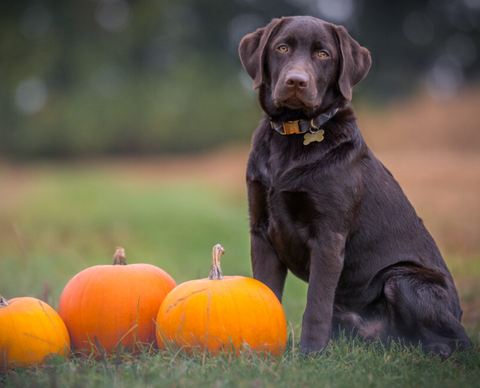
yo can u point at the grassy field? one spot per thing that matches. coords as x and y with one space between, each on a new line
59 218
63 219
346 363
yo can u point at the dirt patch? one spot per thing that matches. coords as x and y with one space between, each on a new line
444 188
224 168
424 123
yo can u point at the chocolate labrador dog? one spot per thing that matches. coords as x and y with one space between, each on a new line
322 205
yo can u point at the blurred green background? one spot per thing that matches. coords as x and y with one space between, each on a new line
128 123
114 77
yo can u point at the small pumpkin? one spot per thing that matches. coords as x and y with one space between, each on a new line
114 306
30 332
222 313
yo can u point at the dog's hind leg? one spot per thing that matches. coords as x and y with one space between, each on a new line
352 323
424 308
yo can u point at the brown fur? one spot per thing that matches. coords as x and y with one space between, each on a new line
330 212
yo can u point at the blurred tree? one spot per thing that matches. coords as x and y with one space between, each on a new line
83 78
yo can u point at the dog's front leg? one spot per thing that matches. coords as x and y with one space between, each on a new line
326 263
266 265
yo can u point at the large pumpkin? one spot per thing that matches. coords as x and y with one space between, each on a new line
30 332
114 306
222 314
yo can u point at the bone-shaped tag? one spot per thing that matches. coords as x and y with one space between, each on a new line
316 136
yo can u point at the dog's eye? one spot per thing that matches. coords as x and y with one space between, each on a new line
323 54
283 48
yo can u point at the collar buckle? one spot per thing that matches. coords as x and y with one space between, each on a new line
291 127
301 126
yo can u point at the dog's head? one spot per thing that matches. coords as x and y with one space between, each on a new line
303 64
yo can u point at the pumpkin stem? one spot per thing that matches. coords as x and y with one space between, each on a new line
215 269
119 257
3 302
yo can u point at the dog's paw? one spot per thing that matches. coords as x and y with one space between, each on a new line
442 350
310 349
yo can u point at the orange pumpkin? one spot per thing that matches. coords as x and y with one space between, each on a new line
222 314
30 332
114 305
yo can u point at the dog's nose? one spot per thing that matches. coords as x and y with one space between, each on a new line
296 80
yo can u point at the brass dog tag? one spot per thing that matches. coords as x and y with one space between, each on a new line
311 137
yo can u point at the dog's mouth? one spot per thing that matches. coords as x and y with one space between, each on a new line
293 103
293 100
296 104
287 104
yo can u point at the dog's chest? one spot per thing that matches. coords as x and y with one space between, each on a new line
289 226
289 211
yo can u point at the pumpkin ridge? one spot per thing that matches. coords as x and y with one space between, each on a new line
160 274
39 338
255 293
215 314
28 317
267 308
79 311
208 319
84 311
193 341
184 304
279 323
16 333
185 297
53 324
238 325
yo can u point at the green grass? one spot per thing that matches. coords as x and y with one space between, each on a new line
346 363
70 218
65 219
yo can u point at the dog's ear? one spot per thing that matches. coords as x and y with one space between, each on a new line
252 51
355 62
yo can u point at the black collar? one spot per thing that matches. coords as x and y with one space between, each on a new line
302 126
